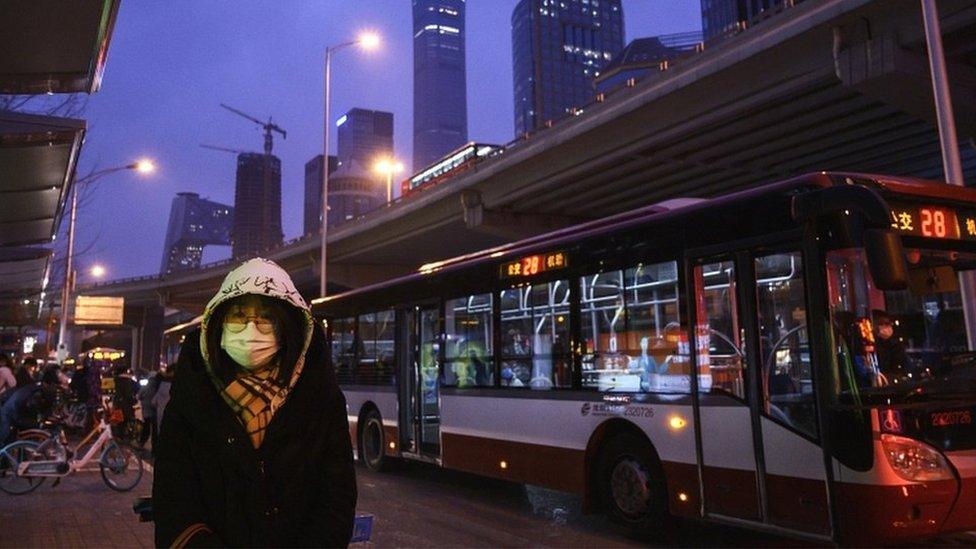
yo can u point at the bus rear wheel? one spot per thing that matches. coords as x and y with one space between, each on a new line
372 442
631 484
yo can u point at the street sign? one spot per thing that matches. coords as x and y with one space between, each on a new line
99 310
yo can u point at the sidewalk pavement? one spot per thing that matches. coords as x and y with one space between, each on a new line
80 512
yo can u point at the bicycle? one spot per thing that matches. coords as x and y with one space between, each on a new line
25 464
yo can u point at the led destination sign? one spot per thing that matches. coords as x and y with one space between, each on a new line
934 222
534 264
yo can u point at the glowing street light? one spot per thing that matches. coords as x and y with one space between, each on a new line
97 271
143 166
367 41
388 167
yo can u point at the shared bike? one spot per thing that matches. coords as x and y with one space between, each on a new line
25 464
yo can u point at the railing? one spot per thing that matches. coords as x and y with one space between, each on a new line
514 144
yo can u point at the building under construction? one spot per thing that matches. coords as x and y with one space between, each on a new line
257 204
257 193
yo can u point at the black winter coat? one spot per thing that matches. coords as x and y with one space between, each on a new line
297 489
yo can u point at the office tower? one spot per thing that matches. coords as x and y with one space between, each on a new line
194 222
720 16
313 192
558 48
440 114
643 56
353 191
365 136
257 205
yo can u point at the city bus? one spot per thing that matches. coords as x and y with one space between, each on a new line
795 358
453 163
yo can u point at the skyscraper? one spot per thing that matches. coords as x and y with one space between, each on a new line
440 113
365 136
313 192
558 48
721 16
194 222
257 205
353 191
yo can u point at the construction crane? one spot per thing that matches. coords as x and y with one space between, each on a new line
225 149
268 127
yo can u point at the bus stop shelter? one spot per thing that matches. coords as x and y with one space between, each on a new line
46 47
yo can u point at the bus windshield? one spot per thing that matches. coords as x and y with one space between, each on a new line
908 345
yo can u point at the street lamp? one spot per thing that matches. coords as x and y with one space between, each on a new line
388 167
97 271
368 41
143 166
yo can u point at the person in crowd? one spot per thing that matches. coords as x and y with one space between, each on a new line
893 360
28 404
159 401
30 364
79 381
254 447
126 391
146 394
23 375
7 380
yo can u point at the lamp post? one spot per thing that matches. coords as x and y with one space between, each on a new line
367 41
951 163
388 167
141 166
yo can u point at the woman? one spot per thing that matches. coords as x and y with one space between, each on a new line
254 446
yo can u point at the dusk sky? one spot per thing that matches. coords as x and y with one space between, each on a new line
172 63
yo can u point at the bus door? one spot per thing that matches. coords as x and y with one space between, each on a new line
727 460
419 396
760 456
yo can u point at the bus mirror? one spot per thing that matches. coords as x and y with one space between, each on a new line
886 259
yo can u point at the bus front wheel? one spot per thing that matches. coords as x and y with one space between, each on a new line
372 441
631 484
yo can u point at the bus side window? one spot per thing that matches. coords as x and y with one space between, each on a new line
469 361
375 365
602 318
551 363
655 342
721 360
385 334
535 333
787 381
367 349
516 313
343 350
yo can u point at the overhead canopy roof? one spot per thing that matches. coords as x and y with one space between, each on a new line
38 155
54 45
23 274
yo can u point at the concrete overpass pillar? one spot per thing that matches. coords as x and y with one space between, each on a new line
150 340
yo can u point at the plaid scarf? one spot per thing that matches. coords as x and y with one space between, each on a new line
253 397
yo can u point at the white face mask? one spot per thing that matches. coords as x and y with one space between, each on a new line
249 347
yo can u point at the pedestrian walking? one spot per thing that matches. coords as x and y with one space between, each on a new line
254 445
7 380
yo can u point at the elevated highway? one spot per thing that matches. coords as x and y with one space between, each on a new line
823 85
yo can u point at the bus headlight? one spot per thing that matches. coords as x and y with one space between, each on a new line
914 460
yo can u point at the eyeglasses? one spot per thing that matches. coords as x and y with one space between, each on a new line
235 323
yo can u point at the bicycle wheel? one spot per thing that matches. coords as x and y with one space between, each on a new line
11 457
121 467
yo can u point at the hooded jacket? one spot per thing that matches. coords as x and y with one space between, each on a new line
212 487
